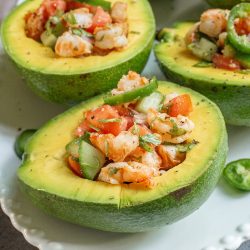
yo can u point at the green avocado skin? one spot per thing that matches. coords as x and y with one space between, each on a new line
233 100
71 89
139 218
225 4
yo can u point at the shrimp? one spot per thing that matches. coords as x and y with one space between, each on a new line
112 173
159 121
139 130
69 45
140 118
34 23
213 22
110 37
127 172
191 34
170 156
116 148
129 82
119 12
79 18
152 159
172 129
221 40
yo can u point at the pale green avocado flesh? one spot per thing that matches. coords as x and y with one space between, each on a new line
230 90
70 80
46 179
225 4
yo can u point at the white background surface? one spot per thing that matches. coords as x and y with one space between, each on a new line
220 216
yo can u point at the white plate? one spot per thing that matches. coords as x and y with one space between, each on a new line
220 216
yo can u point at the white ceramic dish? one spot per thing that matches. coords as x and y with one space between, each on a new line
223 222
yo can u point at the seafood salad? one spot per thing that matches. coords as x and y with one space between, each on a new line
136 135
79 28
221 37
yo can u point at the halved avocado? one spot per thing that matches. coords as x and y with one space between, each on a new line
229 89
70 80
45 177
225 4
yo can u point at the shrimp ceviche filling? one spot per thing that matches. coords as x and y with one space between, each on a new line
132 141
79 28
222 37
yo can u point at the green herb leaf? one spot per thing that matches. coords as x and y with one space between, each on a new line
182 148
151 138
53 21
81 32
135 130
135 32
70 18
145 146
175 131
95 128
110 120
48 27
76 32
146 140
113 170
86 137
58 29
203 64
104 4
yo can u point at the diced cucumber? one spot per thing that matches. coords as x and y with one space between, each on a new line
58 30
48 39
22 140
73 147
91 160
204 49
155 101
228 51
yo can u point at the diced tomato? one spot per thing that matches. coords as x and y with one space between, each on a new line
130 121
82 128
122 111
242 26
35 22
72 5
96 119
180 105
52 6
126 113
74 166
223 62
100 19
116 128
